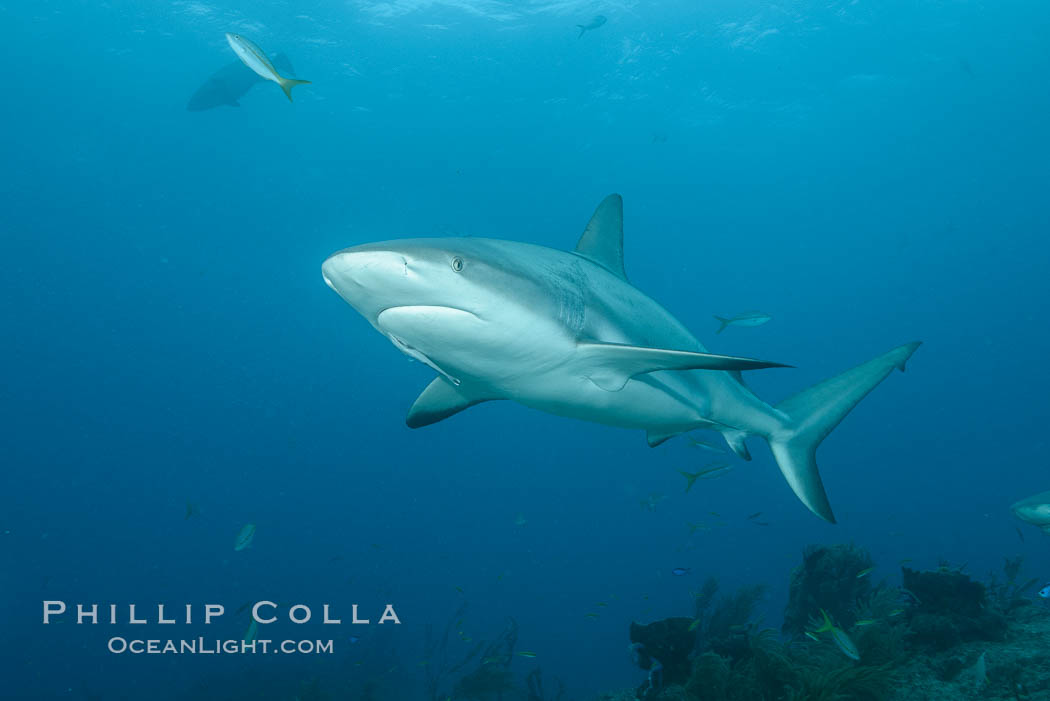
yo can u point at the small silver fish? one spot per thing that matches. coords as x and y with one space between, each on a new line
245 537
652 501
745 319
704 445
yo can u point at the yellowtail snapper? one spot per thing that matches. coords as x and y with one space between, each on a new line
842 641
256 59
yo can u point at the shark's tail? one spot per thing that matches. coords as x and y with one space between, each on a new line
288 83
582 30
813 413
725 322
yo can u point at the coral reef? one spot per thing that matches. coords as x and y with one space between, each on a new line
668 642
950 608
492 678
941 635
725 625
534 684
440 666
827 579
1017 669
1010 594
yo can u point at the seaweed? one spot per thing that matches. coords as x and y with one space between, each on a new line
878 604
881 640
534 685
705 596
723 625
710 677
827 579
440 666
773 671
492 677
485 682
769 667
852 682
1009 595
733 613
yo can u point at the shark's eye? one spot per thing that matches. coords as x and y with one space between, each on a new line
457 263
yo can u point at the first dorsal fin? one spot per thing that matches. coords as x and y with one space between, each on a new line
602 240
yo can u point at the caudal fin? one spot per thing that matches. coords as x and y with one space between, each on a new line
690 478
724 322
813 413
582 30
288 83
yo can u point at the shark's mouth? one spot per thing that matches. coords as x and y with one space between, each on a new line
436 311
414 353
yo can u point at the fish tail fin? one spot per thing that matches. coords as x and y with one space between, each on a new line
724 322
814 412
690 478
826 625
288 83
582 30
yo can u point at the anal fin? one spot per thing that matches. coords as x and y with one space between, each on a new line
655 438
735 439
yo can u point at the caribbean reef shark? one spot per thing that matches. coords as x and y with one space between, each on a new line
566 333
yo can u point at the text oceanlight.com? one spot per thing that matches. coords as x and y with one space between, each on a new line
200 646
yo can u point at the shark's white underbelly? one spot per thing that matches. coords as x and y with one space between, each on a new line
640 404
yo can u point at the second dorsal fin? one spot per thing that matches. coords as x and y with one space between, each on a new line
602 240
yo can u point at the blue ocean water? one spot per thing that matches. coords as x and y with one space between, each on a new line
867 173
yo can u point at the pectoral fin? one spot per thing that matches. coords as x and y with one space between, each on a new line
611 365
440 400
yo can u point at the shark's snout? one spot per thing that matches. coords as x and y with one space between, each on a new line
372 279
363 268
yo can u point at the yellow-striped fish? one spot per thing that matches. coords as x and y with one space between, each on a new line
254 58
